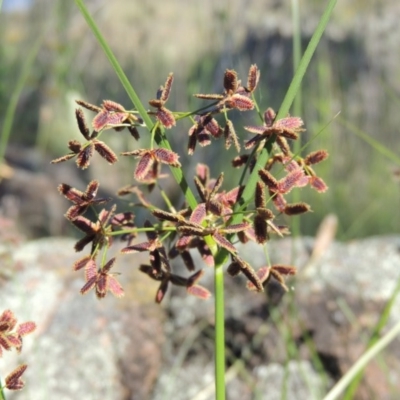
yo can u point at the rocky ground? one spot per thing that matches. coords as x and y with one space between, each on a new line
131 348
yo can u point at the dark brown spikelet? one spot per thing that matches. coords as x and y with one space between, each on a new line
239 161
162 290
194 277
187 260
134 132
296 208
268 179
234 268
166 216
63 158
80 117
230 81
260 229
88 106
259 198
250 274
74 146
13 380
83 158
316 157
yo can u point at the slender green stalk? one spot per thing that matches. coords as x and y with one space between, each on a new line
160 137
12 104
375 144
219 332
297 103
220 256
288 100
374 339
2 395
340 386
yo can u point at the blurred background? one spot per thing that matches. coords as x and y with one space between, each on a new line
49 58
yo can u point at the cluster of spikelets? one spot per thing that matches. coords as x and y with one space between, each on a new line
175 232
11 336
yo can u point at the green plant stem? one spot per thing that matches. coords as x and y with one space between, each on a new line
375 144
297 103
374 339
2 395
219 332
340 386
12 104
159 137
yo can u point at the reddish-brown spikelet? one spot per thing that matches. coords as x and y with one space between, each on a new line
318 184
240 102
167 157
26 328
223 242
263 274
283 144
286 184
269 116
143 167
166 90
83 262
315 157
230 136
253 78
165 117
198 291
13 380
105 151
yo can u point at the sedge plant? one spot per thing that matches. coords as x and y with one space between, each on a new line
210 222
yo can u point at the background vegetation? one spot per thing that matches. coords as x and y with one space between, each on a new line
355 72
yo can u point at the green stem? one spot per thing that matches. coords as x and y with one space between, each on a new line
350 394
2 395
340 386
12 104
159 137
219 332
